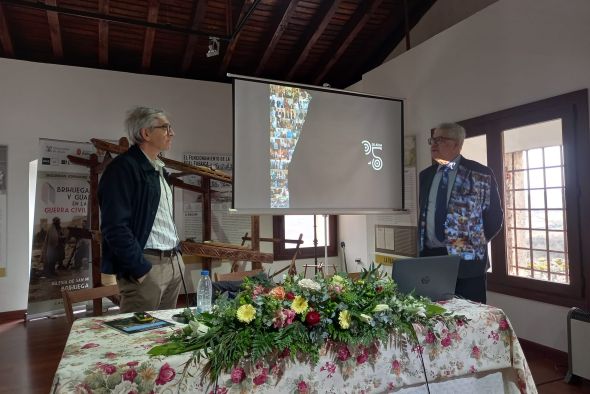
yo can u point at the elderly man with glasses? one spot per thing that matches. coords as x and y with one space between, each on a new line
460 210
139 238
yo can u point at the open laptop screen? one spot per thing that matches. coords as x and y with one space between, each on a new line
433 277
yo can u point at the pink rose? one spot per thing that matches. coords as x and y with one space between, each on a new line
258 290
343 353
302 387
362 358
475 352
109 369
238 375
504 325
130 375
289 316
166 375
133 363
260 379
90 345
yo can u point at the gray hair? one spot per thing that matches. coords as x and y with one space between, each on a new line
453 130
139 118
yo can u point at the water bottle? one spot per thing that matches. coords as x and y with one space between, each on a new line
204 292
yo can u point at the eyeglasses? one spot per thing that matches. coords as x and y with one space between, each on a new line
438 140
167 127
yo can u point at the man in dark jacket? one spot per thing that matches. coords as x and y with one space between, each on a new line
460 210
139 238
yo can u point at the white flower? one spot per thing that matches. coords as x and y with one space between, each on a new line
381 308
421 311
309 284
125 387
366 318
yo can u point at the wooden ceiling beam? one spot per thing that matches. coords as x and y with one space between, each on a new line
324 16
351 30
231 46
5 38
191 45
55 31
150 34
286 11
103 34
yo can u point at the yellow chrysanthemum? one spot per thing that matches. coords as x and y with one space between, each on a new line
344 319
299 305
246 313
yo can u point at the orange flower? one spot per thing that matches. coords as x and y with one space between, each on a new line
278 293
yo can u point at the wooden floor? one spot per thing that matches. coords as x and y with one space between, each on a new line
30 353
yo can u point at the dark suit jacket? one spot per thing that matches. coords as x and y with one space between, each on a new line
474 214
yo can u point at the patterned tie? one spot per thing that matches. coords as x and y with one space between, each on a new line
440 211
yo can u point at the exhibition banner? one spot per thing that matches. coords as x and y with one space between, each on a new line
60 257
225 227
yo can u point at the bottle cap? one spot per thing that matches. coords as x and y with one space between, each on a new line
204 273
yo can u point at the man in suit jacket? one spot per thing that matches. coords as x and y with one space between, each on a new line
466 215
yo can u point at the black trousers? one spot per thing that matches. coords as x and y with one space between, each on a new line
472 288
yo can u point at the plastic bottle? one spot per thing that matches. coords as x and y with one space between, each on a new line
204 292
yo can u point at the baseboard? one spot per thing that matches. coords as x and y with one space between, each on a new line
560 357
6 317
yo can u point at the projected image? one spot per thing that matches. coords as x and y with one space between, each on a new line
288 109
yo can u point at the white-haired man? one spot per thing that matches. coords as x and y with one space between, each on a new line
139 239
460 210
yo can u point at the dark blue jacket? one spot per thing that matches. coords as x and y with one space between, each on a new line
128 195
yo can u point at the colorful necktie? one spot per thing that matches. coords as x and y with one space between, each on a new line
440 211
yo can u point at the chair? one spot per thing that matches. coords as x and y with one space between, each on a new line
72 297
235 276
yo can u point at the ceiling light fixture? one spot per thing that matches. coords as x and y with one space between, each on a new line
213 46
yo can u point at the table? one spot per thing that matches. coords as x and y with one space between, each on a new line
482 355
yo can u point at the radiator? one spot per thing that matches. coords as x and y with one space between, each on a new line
578 332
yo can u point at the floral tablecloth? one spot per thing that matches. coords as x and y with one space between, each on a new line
99 359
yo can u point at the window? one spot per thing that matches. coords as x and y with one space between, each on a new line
290 226
539 154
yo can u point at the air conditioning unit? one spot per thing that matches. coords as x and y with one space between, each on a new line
578 332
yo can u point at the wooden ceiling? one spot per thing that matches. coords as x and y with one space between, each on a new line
305 41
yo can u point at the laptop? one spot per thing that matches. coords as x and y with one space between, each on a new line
433 277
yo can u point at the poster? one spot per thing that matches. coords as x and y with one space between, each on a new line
3 210
60 256
225 227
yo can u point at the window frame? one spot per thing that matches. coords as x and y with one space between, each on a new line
572 109
305 251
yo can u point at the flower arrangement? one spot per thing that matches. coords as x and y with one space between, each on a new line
299 317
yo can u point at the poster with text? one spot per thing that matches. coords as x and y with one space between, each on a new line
225 227
3 210
60 256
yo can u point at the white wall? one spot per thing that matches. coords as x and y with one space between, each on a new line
51 101
442 15
508 54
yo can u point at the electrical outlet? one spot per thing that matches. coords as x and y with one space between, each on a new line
358 261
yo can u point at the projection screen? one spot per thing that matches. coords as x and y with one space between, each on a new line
304 149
